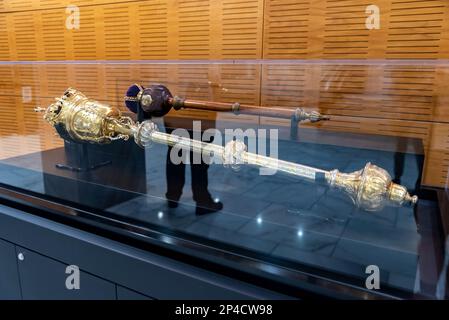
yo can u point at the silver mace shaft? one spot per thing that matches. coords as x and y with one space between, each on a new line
370 188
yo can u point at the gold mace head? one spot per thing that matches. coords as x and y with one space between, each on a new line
81 119
371 188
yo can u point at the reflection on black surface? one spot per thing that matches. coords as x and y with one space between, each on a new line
175 174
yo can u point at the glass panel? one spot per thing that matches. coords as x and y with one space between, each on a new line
283 219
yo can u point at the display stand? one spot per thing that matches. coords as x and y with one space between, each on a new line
78 160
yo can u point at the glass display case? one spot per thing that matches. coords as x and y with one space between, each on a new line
283 229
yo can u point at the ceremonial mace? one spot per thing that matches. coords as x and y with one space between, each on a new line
157 101
80 119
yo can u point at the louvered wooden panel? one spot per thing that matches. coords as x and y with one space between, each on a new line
153 29
408 92
379 126
24 26
51 4
152 74
54 79
241 29
415 29
4 42
381 91
117 32
283 85
437 158
343 91
441 109
413 129
20 5
286 29
194 29
396 128
235 83
116 82
31 123
52 25
82 3
26 100
85 40
9 122
193 82
238 83
228 29
345 33
89 80
24 5
7 81
26 76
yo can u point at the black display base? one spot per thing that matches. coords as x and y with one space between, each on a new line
78 158
99 176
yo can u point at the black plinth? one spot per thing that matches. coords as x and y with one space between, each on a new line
95 175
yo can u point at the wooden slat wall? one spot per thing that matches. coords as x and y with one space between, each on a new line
227 29
409 100
123 30
335 29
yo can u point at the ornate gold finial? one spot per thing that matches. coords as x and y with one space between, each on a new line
371 188
81 119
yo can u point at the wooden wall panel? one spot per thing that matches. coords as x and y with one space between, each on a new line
345 33
241 29
152 21
287 27
344 90
4 41
194 29
117 31
408 92
87 42
51 24
7 87
415 29
401 92
123 30
227 29
335 29
284 85
237 83
437 165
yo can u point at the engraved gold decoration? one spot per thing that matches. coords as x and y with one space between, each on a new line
370 188
81 119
